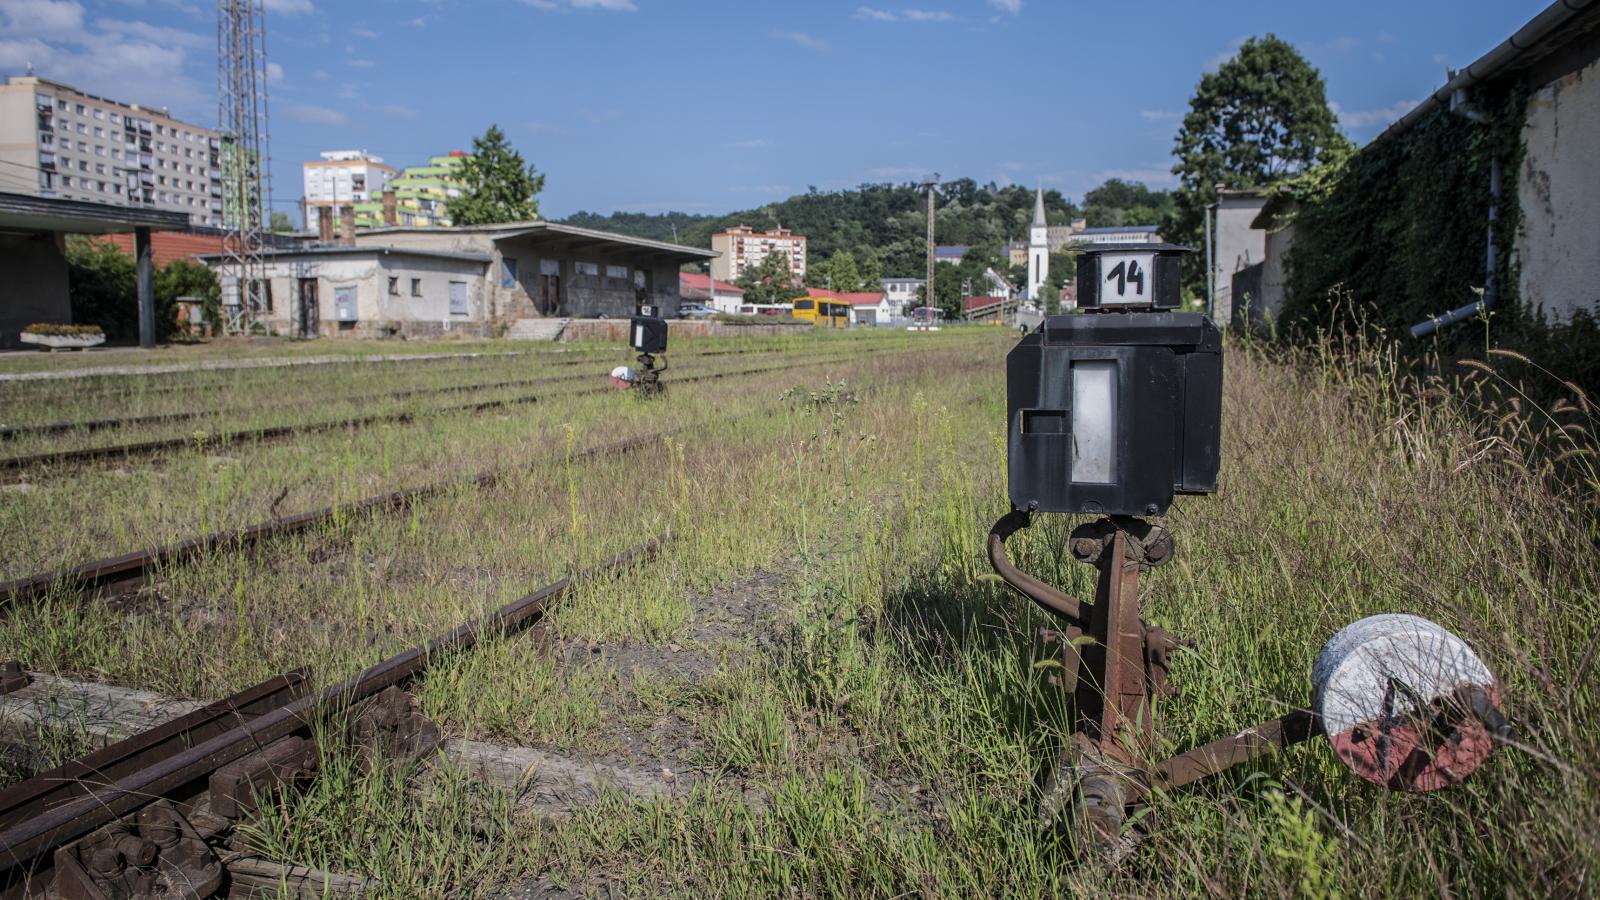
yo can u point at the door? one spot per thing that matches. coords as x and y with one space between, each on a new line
310 326
458 298
548 291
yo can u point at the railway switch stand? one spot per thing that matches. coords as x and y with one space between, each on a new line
647 334
1112 413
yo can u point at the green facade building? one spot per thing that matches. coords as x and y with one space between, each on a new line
421 195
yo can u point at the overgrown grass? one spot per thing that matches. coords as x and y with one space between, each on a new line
886 732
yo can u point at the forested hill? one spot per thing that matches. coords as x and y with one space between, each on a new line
889 220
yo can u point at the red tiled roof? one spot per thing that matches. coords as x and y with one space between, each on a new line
166 246
699 282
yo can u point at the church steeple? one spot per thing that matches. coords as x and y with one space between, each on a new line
1038 248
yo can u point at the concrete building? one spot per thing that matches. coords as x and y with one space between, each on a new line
1237 244
1038 248
33 260
741 248
479 281
698 287
422 195
341 178
901 295
58 142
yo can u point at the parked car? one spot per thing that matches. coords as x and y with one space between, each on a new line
695 311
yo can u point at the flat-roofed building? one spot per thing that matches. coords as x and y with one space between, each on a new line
343 178
742 248
478 280
61 143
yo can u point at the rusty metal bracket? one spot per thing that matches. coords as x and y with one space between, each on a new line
155 853
390 727
235 788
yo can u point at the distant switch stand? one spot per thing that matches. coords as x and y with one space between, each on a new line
647 334
1113 412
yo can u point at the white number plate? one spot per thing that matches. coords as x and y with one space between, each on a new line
1126 277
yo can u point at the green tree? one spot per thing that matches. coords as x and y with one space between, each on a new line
842 272
871 272
280 223
949 282
104 289
497 185
770 282
1262 117
182 278
1118 202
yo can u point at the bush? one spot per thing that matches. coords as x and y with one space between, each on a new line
104 288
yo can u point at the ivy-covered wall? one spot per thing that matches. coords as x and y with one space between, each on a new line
1400 226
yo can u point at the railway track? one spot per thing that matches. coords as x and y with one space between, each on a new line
12 432
131 567
149 817
145 448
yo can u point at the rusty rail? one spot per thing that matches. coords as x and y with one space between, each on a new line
45 791
11 432
25 845
91 454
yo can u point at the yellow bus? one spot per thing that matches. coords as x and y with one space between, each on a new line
822 312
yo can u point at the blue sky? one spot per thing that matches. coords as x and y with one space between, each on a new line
703 106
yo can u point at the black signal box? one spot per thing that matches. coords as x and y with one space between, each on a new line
1113 414
648 334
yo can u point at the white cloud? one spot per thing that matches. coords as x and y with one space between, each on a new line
1007 6
361 64
155 34
274 73
554 6
288 7
367 33
751 144
1159 115
398 111
315 115
803 39
1364 118
132 61
871 14
41 18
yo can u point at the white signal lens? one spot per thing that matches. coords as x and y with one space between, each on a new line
1094 421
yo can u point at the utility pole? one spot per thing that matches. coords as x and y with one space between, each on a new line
246 171
931 185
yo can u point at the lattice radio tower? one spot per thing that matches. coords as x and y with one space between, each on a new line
246 178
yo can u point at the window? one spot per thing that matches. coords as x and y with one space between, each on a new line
508 272
116 119
80 109
83 165
100 114
617 272
115 153
82 128
99 150
46 139
101 186
416 287
66 181
99 168
394 285
587 268
61 105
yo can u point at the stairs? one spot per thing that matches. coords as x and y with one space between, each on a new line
536 329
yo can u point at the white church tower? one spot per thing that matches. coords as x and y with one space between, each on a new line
1038 249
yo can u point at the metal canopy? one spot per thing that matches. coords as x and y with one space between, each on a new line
23 213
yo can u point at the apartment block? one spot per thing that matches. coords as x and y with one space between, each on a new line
59 142
422 195
343 178
742 248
